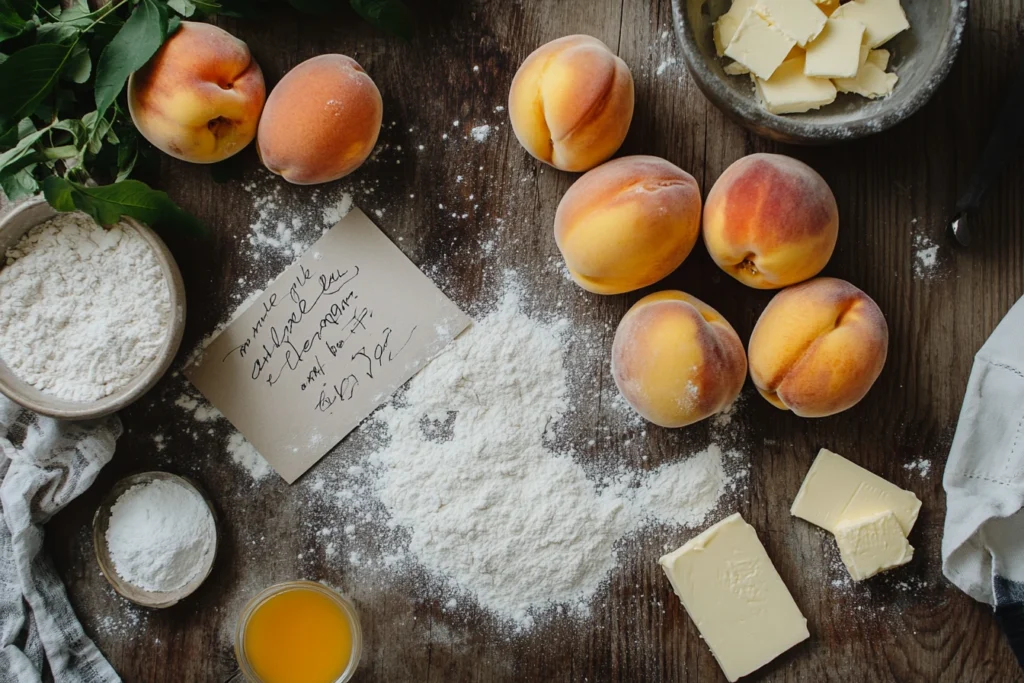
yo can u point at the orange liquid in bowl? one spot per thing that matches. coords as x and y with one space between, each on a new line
298 636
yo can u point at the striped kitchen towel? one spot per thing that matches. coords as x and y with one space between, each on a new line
983 540
44 465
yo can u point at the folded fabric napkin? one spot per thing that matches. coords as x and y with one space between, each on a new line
44 464
983 542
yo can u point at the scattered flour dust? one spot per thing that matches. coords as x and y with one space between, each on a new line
245 455
922 466
926 257
337 210
481 133
488 503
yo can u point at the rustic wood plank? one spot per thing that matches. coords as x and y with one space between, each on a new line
889 188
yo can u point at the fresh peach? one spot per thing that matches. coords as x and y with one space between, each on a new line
676 360
770 221
818 347
571 103
199 98
627 223
321 121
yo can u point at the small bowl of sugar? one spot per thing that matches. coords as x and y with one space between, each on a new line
90 317
155 537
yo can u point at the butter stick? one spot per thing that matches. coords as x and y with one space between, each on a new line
735 596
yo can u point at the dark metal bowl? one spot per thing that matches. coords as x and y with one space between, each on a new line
921 57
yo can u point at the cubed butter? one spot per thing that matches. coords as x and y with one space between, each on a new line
872 544
882 19
735 69
800 20
789 91
879 58
725 27
836 490
735 596
835 53
871 81
758 45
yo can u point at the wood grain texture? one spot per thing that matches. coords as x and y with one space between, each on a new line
909 626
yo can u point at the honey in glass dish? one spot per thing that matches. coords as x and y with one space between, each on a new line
298 632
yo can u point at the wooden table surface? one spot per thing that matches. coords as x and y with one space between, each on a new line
893 190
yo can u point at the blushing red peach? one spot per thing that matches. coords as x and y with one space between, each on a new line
199 98
676 360
628 223
571 103
321 121
818 347
770 221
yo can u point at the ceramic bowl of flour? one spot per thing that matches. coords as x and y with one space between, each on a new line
13 227
101 523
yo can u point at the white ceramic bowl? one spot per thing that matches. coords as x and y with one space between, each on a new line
13 226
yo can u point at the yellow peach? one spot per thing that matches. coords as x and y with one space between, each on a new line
770 221
199 98
628 223
321 121
571 103
818 347
676 360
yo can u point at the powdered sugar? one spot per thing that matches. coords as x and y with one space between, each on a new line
83 309
160 535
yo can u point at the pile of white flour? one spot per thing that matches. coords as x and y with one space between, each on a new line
470 473
83 310
160 535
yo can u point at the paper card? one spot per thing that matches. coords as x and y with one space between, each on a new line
328 341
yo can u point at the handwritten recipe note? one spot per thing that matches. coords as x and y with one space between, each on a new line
328 341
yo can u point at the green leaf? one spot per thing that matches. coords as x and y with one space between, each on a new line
107 203
24 147
24 8
80 16
392 16
97 127
172 25
11 25
133 46
57 32
19 184
185 8
79 67
207 7
27 77
127 155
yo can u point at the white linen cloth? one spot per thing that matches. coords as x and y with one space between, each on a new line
44 464
983 540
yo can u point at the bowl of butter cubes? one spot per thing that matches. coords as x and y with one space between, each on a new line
819 71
